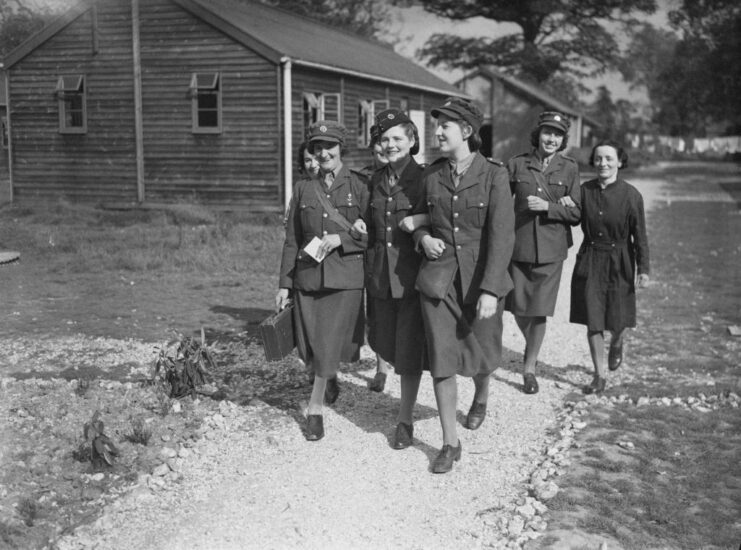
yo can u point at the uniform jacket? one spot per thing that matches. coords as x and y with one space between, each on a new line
392 260
544 237
343 267
476 222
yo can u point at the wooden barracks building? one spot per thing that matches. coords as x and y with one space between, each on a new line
152 101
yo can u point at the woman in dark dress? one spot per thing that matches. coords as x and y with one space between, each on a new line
328 294
615 246
541 180
396 329
463 279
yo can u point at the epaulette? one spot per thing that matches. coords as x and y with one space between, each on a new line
362 175
495 161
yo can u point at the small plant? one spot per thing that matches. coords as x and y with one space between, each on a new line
28 510
101 448
139 433
83 385
184 372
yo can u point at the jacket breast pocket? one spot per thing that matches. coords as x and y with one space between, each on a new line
557 188
310 212
476 209
350 210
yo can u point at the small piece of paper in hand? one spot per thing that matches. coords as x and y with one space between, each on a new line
312 249
735 330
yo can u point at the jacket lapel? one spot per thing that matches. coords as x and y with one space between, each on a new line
472 175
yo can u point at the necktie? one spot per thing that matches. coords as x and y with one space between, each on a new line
392 179
329 179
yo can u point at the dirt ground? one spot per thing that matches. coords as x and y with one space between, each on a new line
259 484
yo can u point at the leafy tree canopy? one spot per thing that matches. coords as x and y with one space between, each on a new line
18 21
559 41
364 17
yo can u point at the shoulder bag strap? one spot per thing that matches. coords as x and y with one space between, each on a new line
333 213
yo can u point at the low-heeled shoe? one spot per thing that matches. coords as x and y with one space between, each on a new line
403 436
615 356
445 458
529 383
314 427
332 391
378 383
476 415
597 386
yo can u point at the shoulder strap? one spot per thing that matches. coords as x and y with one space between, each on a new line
333 213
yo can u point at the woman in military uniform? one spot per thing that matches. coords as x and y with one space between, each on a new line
328 293
540 181
463 278
396 329
614 249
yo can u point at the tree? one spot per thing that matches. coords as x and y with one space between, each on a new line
699 87
560 41
364 17
18 21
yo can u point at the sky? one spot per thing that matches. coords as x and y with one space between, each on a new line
413 26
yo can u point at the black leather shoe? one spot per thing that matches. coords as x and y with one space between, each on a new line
597 386
529 383
378 383
615 356
476 415
403 436
332 391
444 460
314 427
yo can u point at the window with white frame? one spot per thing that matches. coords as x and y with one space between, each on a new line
205 93
4 138
367 111
72 102
319 106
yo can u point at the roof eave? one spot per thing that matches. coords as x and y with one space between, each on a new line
208 16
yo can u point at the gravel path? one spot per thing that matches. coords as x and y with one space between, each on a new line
254 482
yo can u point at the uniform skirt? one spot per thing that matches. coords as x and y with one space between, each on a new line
536 289
458 342
602 297
396 332
330 325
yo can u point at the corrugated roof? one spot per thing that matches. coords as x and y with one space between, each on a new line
306 41
533 91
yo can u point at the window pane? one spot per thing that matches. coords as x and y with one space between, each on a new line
208 119
208 101
73 111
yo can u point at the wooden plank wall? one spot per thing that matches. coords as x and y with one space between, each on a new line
354 90
99 165
240 165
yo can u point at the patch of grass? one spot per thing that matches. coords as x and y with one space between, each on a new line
139 433
28 510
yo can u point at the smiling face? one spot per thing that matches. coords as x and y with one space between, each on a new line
452 135
396 144
549 140
379 155
607 163
328 155
311 165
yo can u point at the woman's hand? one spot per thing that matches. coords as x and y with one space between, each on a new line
410 223
642 280
281 299
433 248
358 229
329 243
567 201
486 306
537 204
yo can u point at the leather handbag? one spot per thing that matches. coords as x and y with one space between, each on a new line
278 335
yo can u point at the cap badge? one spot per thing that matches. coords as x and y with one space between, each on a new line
349 198
390 116
557 118
448 104
322 128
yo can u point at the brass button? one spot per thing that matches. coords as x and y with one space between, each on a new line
455 229
455 214
324 215
455 197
